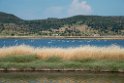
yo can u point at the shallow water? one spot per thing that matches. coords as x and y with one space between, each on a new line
59 42
61 78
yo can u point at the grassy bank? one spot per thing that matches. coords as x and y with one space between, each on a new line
87 57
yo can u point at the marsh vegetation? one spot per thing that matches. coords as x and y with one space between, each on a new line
87 57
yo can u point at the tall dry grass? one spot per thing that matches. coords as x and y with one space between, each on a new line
85 52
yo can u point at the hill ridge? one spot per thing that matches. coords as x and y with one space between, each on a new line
102 25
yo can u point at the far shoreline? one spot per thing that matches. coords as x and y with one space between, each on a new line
67 37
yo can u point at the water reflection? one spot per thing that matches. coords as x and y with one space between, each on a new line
60 78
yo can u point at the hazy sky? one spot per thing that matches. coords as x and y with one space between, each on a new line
40 9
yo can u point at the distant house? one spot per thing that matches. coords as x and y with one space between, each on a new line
55 30
45 31
55 34
96 35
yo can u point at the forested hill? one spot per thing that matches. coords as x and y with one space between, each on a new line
76 25
8 18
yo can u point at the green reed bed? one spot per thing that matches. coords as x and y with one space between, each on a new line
54 62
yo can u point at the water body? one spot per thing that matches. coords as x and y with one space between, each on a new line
60 78
59 42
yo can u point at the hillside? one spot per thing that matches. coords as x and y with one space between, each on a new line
72 26
9 18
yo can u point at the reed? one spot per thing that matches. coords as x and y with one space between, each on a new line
77 53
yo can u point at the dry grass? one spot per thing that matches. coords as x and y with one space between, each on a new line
86 52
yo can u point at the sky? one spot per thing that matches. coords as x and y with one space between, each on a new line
42 9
